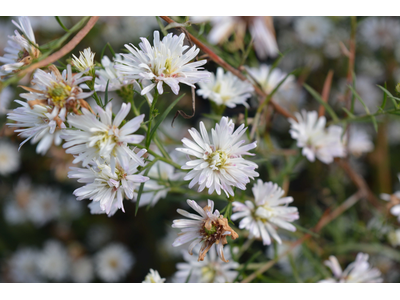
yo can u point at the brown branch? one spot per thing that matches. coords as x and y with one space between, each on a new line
64 50
324 220
325 92
218 60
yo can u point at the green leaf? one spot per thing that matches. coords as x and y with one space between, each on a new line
384 99
348 112
61 24
162 27
375 123
322 102
104 49
359 99
390 95
106 95
163 116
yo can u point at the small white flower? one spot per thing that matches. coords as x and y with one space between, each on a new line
359 142
269 79
9 158
268 211
106 187
82 270
23 266
20 51
103 137
57 90
54 261
153 277
40 123
15 209
208 271
113 262
156 188
85 60
225 89
316 141
208 228
380 32
394 202
219 164
312 30
165 62
43 205
356 272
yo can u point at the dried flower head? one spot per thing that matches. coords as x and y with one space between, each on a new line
209 228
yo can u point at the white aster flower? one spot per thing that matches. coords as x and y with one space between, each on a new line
15 209
20 51
107 187
6 95
54 261
43 205
261 29
312 30
380 32
153 277
165 62
269 79
113 262
103 137
23 266
158 187
359 141
219 164
208 271
316 140
209 228
98 235
85 61
82 270
9 158
57 90
356 272
268 211
225 89
40 123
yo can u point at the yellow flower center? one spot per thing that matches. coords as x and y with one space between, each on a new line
59 93
217 159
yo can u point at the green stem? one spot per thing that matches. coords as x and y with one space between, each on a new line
151 118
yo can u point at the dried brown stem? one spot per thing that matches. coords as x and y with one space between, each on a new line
218 60
325 92
64 50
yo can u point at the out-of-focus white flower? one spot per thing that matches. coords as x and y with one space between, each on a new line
225 89
9 158
40 125
261 30
332 47
394 237
372 68
82 270
59 91
380 32
98 235
20 51
208 228
219 164
165 62
85 60
103 138
153 277
15 209
23 266
5 99
54 261
156 188
394 202
356 272
207 271
268 211
43 205
107 187
359 142
113 262
312 30
316 141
